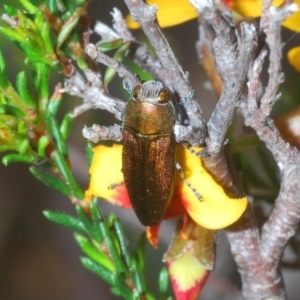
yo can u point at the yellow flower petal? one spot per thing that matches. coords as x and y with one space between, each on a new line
252 8
216 210
187 275
169 13
246 8
106 170
294 57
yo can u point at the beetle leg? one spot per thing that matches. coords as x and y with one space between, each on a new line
115 185
197 194
98 133
191 95
201 153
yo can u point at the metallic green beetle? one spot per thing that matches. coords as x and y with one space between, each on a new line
149 151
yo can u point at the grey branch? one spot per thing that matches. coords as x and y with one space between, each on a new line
285 216
93 94
97 133
259 271
146 16
120 25
232 55
122 71
138 51
106 33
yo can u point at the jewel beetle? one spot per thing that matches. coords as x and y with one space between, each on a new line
149 145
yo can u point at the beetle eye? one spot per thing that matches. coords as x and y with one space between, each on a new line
136 90
164 95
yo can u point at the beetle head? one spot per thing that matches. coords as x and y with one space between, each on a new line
151 91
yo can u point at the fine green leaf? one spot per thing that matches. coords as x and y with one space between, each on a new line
22 89
68 13
45 33
163 283
9 10
22 128
54 103
140 252
66 125
97 214
149 296
90 225
117 225
66 172
111 45
43 71
80 2
50 179
124 289
4 82
99 270
36 58
69 4
12 34
136 277
39 20
7 109
115 291
52 5
94 253
136 69
29 6
23 146
13 158
55 132
89 153
81 62
65 220
68 26
42 145
2 64
118 56
108 239
109 75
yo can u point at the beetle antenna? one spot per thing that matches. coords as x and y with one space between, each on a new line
197 194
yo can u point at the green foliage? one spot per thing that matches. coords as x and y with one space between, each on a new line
65 171
104 244
43 174
163 282
28 123
68 26
65 220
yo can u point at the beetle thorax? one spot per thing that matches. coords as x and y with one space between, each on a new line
150 119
